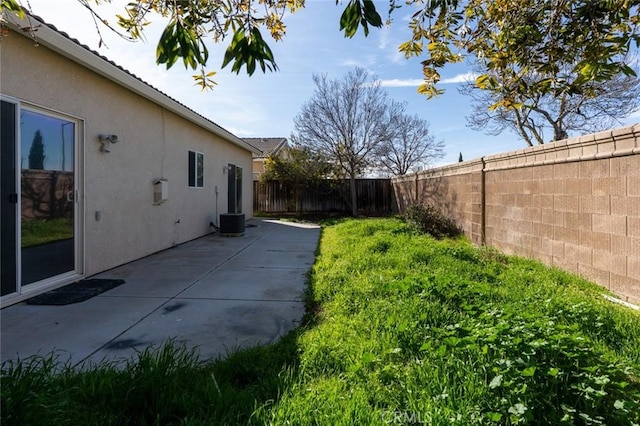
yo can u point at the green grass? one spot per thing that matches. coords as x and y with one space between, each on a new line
37 232
401 328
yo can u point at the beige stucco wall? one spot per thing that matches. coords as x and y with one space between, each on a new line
258 167
154 144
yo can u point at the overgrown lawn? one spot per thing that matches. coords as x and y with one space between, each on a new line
401 328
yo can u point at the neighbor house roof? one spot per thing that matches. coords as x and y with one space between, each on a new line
49 36
268 146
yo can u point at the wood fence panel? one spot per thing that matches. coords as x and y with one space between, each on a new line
375 196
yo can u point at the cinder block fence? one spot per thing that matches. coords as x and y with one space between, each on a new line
574 204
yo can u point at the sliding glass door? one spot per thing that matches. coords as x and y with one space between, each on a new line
47 183
39 197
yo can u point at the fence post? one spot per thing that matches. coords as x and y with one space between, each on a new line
483 205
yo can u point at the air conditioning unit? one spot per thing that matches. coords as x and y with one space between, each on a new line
232 224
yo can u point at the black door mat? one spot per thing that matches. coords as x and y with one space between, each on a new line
76 292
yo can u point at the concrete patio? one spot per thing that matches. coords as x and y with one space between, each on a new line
214 293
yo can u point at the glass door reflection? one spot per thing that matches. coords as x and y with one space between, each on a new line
47 182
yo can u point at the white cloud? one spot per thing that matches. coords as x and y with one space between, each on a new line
460 78
415 82
397 57
383 41
364 61
395 82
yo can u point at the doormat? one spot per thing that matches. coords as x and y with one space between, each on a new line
76 292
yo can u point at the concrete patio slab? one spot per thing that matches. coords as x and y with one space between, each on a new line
287 259
216 327
158 279
74 332
272 285
214 293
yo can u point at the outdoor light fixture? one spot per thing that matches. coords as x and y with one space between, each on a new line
105 140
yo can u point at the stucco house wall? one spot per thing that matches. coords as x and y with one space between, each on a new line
118 218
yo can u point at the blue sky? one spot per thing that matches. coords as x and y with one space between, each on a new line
264 105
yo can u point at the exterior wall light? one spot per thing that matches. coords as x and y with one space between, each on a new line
106 141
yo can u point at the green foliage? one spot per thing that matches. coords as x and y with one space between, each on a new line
428 219
162 385
461 335
179 41
13 6
298 165
601 104
560 65
300 170
246 49
359 12
191 21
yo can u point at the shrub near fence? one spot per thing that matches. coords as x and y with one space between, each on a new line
574 204
273 196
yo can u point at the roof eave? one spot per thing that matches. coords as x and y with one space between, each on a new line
70 49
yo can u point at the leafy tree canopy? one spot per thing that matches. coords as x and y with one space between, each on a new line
300 166
524 36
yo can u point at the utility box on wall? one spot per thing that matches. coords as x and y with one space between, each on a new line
160 191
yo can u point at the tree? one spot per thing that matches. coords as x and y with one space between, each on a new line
410 148
347 120
460 160
36 152
533 35
526 37
598 107
300 166
299 171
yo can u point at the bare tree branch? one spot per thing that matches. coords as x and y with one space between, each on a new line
600 106
346 120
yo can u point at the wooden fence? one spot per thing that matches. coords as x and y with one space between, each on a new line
375 196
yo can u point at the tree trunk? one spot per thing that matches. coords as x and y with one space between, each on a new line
354 195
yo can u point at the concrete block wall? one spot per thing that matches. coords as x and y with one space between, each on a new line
455 189
574 204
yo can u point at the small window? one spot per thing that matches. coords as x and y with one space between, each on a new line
196 169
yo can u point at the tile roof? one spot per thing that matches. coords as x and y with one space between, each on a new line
268 146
